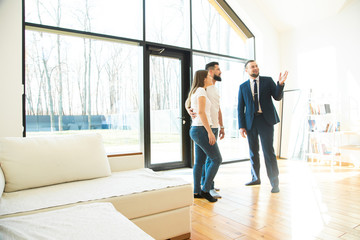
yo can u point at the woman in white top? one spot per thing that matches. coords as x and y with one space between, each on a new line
203 136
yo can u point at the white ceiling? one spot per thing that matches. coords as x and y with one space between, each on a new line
288 14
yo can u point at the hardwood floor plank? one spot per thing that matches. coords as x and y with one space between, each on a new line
348 236
342 223
217 222
204 211
209 231
276 233
352 231
330 233
246 238
195 235
243 229
314 202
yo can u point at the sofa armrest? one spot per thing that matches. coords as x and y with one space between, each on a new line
2 182
127 162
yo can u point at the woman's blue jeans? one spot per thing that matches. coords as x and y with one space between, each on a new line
203 151
216 133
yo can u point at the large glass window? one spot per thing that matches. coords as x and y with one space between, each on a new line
112 17
211 33
84 71
79 84
233 146
168 22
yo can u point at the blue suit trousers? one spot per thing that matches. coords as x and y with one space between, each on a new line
265 131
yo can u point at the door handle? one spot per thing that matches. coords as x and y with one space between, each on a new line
183 120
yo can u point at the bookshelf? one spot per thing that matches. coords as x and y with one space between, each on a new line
324 135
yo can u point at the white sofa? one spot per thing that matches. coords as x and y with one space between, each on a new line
48 173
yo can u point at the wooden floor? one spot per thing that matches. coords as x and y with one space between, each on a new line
315 202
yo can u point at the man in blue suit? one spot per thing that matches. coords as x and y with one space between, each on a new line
257 117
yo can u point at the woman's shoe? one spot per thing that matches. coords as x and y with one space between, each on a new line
208 196
198 195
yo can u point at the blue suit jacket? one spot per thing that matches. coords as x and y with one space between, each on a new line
246 105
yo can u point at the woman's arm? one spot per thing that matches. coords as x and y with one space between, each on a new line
204 120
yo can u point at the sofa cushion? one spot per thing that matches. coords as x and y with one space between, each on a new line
86 221
39 161
160 192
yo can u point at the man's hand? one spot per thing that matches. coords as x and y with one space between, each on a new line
222 133
191 113
243 132
283 78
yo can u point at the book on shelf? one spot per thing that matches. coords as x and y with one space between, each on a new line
319 109
311 109
327 108
322 126
329 127
322 109
312 126
337 128
325 150
320 147
332 127
314 145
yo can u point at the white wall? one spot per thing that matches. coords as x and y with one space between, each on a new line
267 45
10 68
325 56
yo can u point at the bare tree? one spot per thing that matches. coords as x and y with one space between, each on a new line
29 100
68 88
60 83
99 68
47 74
85 90
113 67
